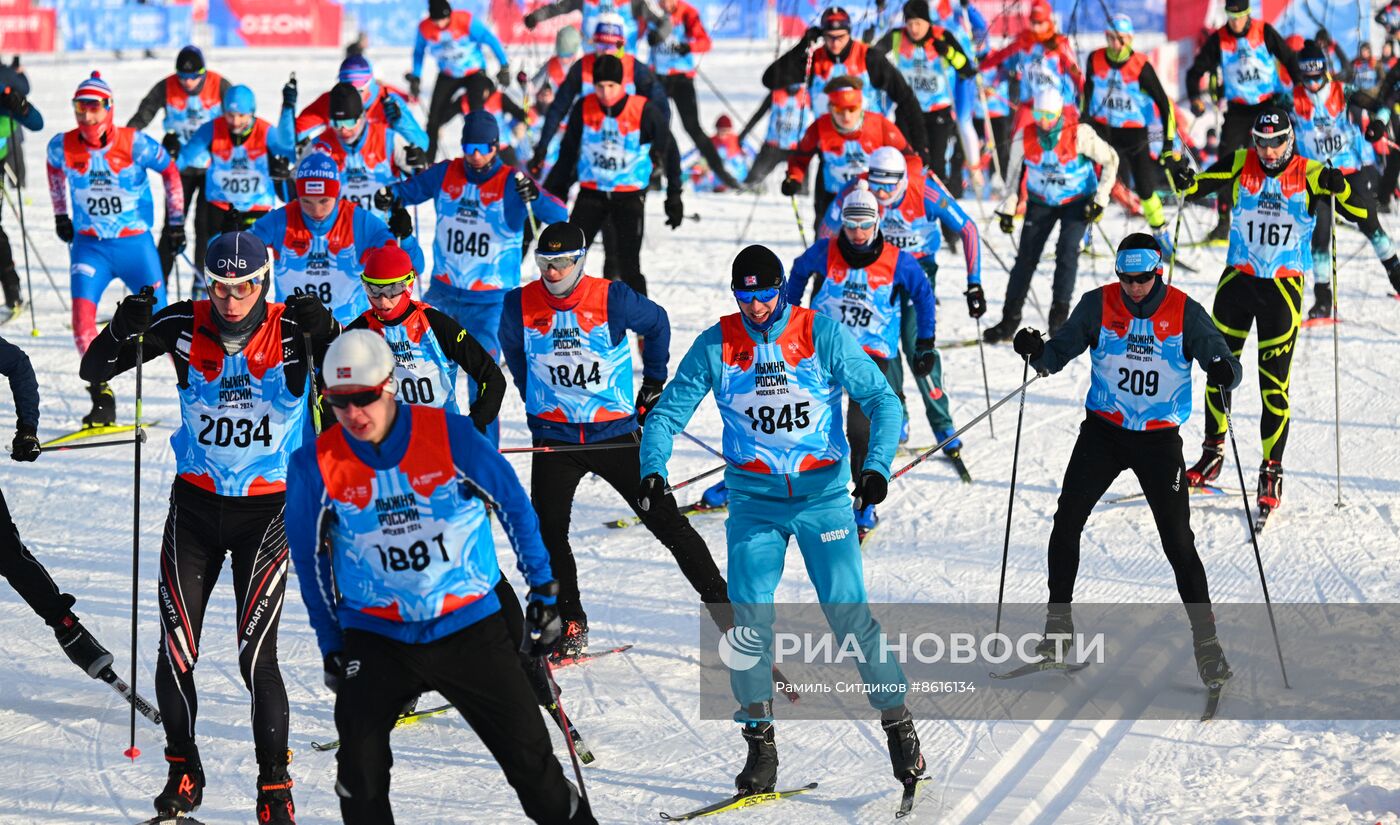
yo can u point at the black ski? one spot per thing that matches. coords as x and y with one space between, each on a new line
699 508
565 661
143 707
1212 700
171 819
738 801
961 467
909 795
1264 512
585 753
1040 667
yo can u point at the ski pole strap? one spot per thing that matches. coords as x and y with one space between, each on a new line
141 438
569 448
964 428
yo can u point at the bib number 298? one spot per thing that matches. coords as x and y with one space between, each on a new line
788 417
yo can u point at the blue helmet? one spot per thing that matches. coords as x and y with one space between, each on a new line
240 100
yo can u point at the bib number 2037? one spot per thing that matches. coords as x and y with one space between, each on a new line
1137 382
416 557
788 417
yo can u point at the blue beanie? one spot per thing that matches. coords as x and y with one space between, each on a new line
240 100
318 175
480 127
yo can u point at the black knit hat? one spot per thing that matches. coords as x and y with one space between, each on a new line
190 60
1236 6
607 67
755 267
917 10
438 9
560 237
345 103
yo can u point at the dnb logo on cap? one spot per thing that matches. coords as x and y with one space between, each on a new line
342 372
750 280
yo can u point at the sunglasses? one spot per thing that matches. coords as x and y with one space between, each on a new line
344 122
190 75
748 296
358 398
477 148
868 223
1139 278
88 104
559 262
876 186
391 290
240 290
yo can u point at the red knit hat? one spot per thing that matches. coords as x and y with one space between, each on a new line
386 265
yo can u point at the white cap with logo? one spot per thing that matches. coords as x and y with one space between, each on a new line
358 360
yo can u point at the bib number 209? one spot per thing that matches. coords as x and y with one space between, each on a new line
1137 382
788 417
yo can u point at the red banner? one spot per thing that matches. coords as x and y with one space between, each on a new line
509 22
27 29
275 22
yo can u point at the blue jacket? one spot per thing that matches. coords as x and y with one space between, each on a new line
626 310
479 32
909 278
425 186
474 457
700 370
14 365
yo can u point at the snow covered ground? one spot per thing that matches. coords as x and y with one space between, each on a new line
63 735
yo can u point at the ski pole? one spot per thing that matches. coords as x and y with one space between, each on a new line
132 751
29 241
1011 496
1336 357
797 213
312 395
92 445
986 388
530 210
693 479
1176 235
568 737
964 428
28 279
1253 535
568 448
711 450
1030 293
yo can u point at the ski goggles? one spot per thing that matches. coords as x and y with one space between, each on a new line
1272 140
344 122
357 397
390 290
763 296
1138 266
91 104
190 75
558 261
859 223
477 148
882 186
242 289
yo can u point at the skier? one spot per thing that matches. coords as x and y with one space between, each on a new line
482 207
568 45
631 17
15 108
1120 91
931 59
613 142
732 153
243 372
382 104
241 155
1058 154
385 634
789 110
1275 212
1042 60
913 204
881 85
320 240
994 107
363 151
787 470
106 166
455 39
481 95
859 281
1142 336
189 98
1365 69
1256 65
1325 132
25 574
844 137
673 59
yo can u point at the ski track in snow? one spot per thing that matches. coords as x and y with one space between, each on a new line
63 734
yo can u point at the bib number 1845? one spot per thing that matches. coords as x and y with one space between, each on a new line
787 417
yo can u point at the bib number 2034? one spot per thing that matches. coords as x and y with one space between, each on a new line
416 557
788 417
1137 382
234 432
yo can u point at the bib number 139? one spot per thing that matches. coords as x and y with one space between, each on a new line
788 417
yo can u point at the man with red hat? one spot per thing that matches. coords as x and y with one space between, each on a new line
841 55
1043 59
109 233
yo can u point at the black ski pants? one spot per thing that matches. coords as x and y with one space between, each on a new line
769 156
440 108
477 671
1040 221
554 478
1363 196
196 225
941 127
1101 453
681 90
1001 137
1136 167
1275 305
858 426
626 211
27 576
201 529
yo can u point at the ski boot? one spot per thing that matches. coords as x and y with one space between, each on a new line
1220 235
573 642
82 648
1207 469
906 759
184 785
760 773
1059 313
1322 306
275 806
1392 271
1058 622
953 451
9 283
104 406
715 497
1164 241
1003 330
1270 488
1210 662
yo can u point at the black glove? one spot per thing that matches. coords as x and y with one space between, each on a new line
812 35
871 489
647 397
13 99
1183 177
976 301
1028 344
1007 223
681 49
1331 181
1198 106
63 226
415 84
654 37
171 144
531 21
289 94
1219 373
392 112
400 222
1375 130
541 620
1092 211
310 314
651 492
503 77
924 357
790 187
279 168
415 159
479 418
133 315
384 200
675 210
526 188
231 221
536 164
333 670
25 447
173 236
